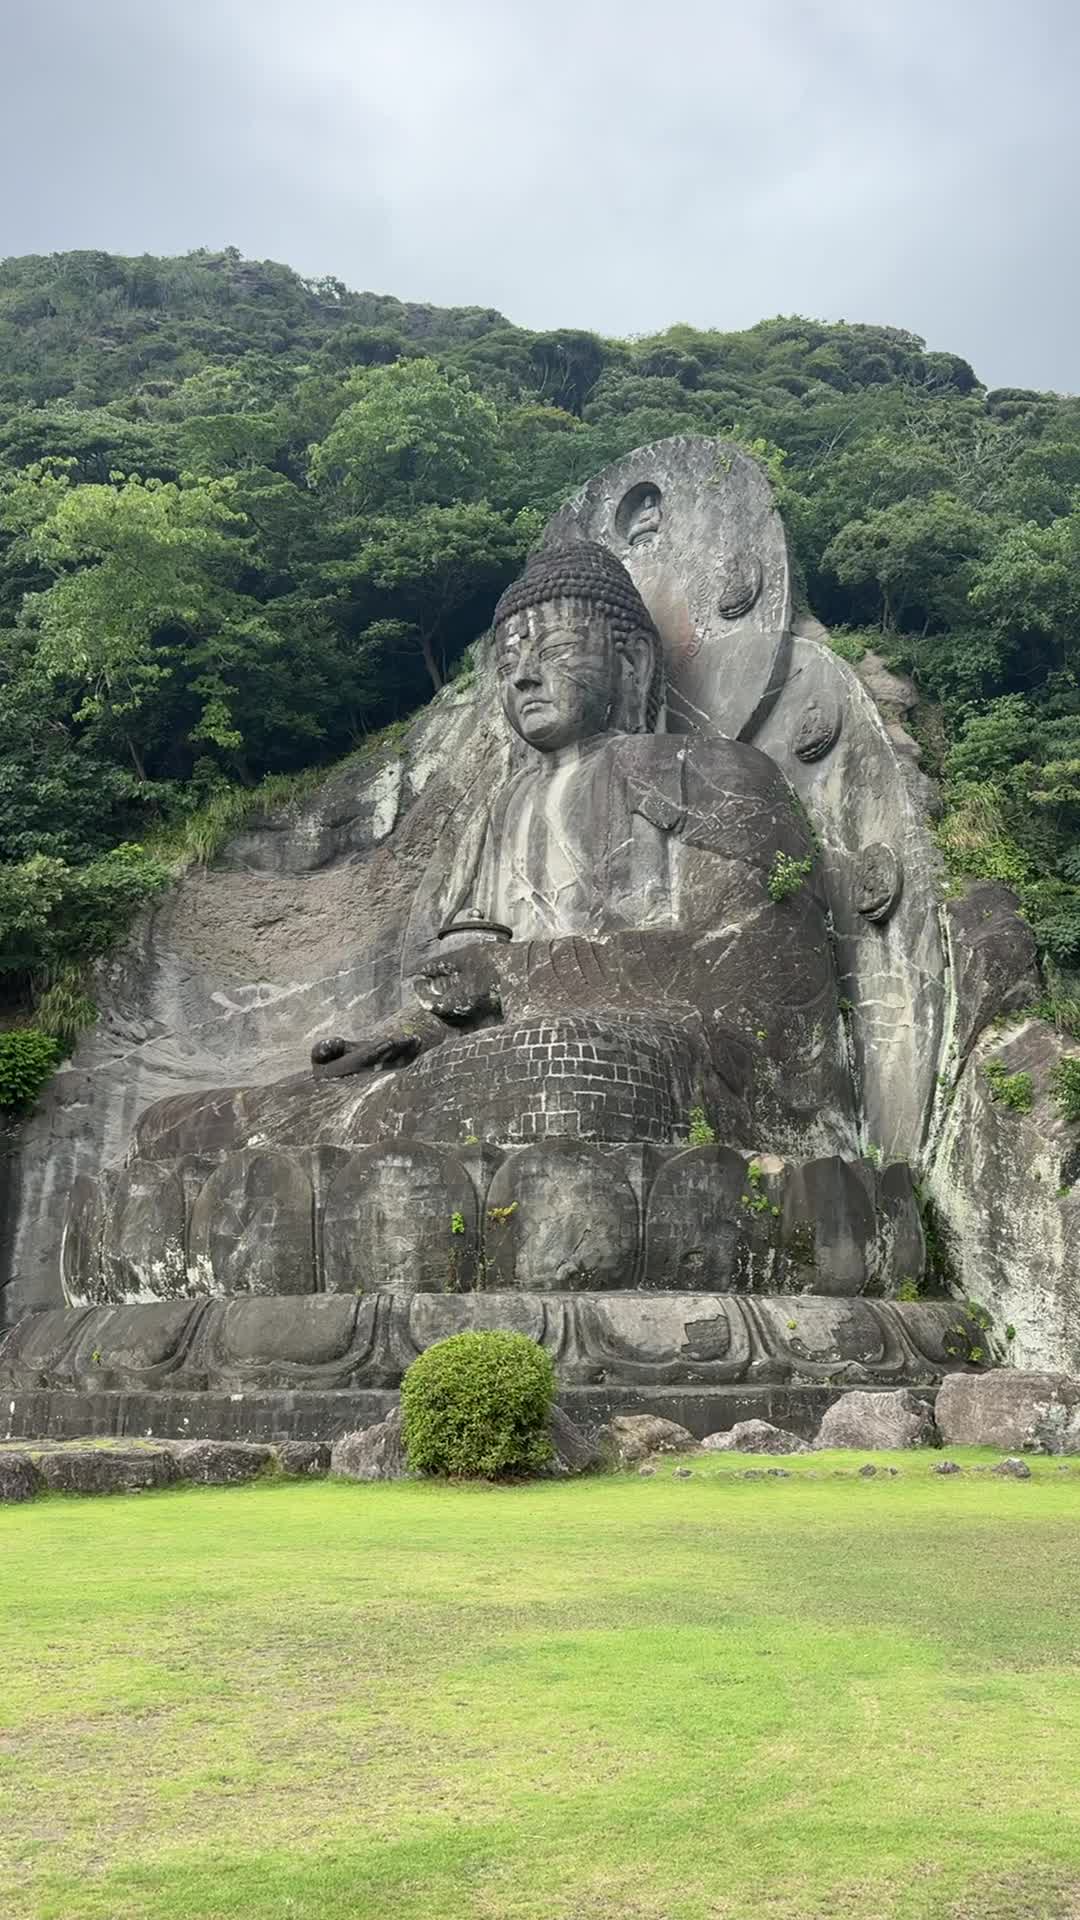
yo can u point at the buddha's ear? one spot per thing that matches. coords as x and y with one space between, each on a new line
637 657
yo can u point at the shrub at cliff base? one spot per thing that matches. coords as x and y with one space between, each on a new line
477 1405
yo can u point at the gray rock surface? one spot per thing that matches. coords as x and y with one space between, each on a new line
628 1438
575 1451
19 1478
1029 1412
107 1469
373 1453
993 957
896 1419
754 1436
1012 1469
221 1463
1004 1184
303 1459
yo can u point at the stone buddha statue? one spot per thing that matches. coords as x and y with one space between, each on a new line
609 1098
623 878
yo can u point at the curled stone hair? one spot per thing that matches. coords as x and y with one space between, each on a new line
584 570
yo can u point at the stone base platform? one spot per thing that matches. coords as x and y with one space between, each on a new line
274 1418
310 1367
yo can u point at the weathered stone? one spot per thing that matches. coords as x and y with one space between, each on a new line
1012 1469
374 1453
993 957
19 1478
897 1419
1004 1185
754 1436
107 1469
221 1463
304 1459
646 1472
574 1450
869 1472
1035 1412
946 1467
630 1437
683 1473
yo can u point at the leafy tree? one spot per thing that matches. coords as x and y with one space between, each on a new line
412 436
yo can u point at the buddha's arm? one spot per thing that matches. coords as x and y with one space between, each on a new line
456 991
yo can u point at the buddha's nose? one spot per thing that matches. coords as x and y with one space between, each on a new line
527 671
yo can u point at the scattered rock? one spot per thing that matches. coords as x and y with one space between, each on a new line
755 1436
630 1437
889 1419
1012 1469
683 1473
371 1453
107 1469
303 1459
221 1463
869 1472
778 1473
575 1450
19 1478
946 1466
1033 1412
646 1473
754 1473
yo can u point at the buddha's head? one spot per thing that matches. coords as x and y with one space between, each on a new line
576 650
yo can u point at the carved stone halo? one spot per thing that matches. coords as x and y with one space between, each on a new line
879 878
739 579
818 730
639 513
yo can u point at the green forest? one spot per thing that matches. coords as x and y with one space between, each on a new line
249 520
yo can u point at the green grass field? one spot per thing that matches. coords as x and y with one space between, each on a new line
614 1699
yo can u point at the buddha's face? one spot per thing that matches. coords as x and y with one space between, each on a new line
561 676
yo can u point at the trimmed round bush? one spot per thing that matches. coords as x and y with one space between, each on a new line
477 1406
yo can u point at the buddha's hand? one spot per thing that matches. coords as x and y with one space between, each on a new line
393 1044
460 987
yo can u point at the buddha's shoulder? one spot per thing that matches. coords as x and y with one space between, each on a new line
713 759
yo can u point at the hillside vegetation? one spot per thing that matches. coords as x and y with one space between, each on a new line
247 519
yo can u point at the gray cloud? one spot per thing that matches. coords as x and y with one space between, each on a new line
610 165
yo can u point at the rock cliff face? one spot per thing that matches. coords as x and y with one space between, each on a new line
302 927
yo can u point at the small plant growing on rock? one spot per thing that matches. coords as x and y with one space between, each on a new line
457 1223
786 876
701 1133
476 1406
1017 1090
756 1199
1065 1082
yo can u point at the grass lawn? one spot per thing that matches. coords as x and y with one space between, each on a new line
614 1699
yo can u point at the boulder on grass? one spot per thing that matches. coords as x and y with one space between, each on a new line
1019 1412
107 1469
221 1463
19 1478
303 1459
870 1420
629 1438
573 1450
371 1453
755 1436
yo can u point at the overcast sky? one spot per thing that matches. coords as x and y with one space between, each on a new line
614 164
